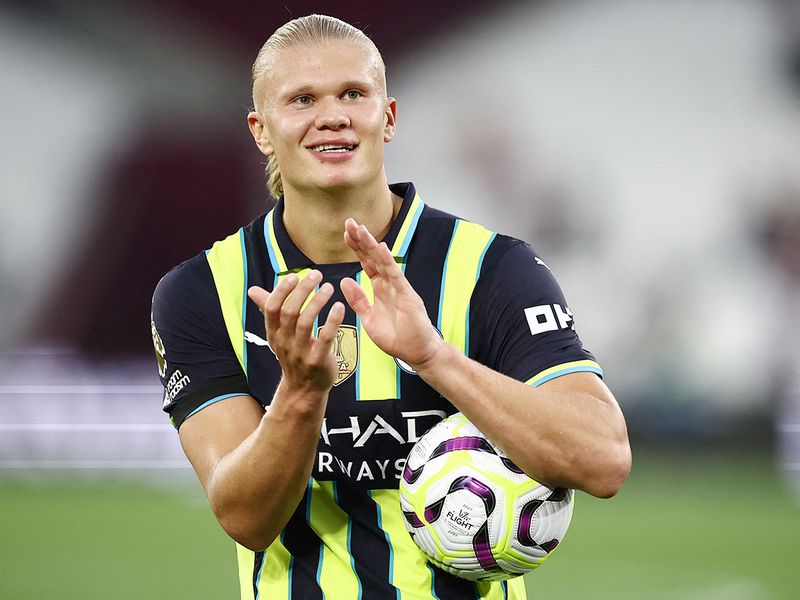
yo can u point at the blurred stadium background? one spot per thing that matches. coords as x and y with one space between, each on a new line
649 150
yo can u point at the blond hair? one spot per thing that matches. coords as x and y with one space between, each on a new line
311 29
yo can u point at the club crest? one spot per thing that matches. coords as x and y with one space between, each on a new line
345 348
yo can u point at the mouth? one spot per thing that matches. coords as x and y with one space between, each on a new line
333 148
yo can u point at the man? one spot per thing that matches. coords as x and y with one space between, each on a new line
298 407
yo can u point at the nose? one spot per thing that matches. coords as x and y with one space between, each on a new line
331 115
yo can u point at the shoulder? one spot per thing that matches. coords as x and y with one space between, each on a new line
184 284
507 253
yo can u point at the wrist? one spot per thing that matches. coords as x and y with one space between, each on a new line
440 353
299 400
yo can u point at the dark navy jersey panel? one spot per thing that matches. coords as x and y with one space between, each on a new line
520 324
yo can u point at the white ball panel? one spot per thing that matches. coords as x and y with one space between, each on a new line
448 541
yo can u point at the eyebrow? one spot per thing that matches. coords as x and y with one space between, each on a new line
308 89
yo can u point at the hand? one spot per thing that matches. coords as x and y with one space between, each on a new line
307 362
397 320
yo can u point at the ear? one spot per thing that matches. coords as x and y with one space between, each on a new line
255 123
391 120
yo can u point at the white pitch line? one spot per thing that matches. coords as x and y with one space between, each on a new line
94 464
80 389
78 427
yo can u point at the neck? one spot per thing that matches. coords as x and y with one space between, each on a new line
315 221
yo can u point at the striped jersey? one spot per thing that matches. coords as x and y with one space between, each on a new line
487 294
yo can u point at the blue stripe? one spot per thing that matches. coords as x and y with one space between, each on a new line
567 371
321 544
244 301
388 543
477 276
398 370
270 249
358 346
291 562
260 569
349 537
504 585
411 229
444 275
213 401
433 580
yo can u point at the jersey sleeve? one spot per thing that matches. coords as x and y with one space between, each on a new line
196 362
520 323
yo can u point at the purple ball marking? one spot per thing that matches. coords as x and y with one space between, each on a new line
549 546
463 443
511 466
411 475
483 550
558 495
413 519
434 511
525 520
481 490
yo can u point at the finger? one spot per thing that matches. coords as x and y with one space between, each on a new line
352 240
272 307
356 296
360 240
259 296
290 311
385 264
309 314
327 333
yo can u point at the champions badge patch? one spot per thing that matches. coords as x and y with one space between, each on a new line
345 348
158 345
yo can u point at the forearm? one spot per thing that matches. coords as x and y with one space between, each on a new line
570 438
256 487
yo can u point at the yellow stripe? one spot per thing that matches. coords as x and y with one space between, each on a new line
246 561
401 235
461 273
377 374
273 242
227 266
584 365
409 573
274 580
516 589
494 591
330 522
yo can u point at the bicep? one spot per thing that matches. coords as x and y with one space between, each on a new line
582 383
592 398
210 434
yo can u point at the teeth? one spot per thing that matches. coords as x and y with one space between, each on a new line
329 148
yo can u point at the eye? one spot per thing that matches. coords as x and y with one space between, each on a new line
352 94
303 100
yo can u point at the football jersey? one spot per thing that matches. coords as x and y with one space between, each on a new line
487 294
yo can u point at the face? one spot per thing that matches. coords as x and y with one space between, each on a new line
323 112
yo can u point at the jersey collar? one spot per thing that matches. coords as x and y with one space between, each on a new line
285 256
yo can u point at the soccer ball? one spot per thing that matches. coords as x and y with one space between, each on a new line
472 511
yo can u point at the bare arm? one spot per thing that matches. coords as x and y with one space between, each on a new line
254 466
569 431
